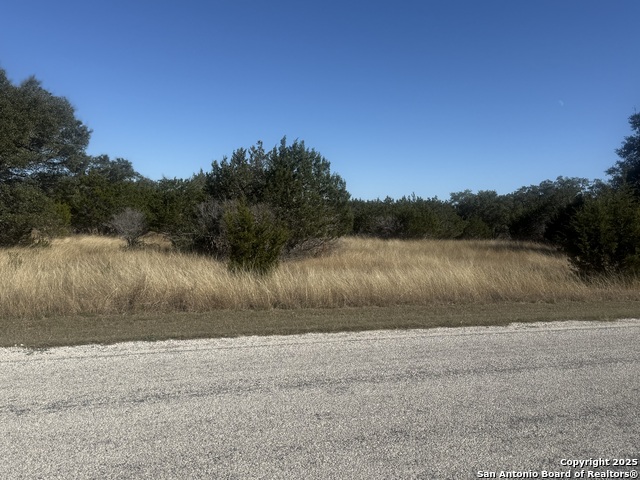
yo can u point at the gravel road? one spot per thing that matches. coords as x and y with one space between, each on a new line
433 404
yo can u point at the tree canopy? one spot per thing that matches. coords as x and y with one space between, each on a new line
40 136
627 169
295 182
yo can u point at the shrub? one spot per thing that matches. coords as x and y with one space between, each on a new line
408 217
205 231
297 185
130 224
604 234
28 216
255 239
476 228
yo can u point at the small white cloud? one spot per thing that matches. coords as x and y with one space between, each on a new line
561 103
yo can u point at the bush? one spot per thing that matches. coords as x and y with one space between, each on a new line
130 224
604 235
409 217
297 185
476 228
254 238
28 216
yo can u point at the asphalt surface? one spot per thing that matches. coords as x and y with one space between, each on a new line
433 404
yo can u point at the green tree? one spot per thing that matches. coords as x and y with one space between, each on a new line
537 207
375 218
296 184
626 171
28 216
40 137
476 228
414 217
409 217
43 158
175 206
312 202
492 209
241 177
115 171
103 188
448 223
604 234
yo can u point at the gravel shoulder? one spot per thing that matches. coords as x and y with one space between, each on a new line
437 404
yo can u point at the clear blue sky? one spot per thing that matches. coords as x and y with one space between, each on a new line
430 97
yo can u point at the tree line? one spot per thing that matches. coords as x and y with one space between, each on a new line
258 206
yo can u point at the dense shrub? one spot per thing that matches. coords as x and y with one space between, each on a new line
476 228
536 210
202 230
408 217
603 236
248 237
28 216
487 206
295 183
255 238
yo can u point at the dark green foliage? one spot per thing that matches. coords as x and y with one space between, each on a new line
600 228
525 214
626 171
409 217
604 234
255 238
102 189
115 171
492 209
558 230
448 224
260 204
374 218
535 208
40 138
92 200
27 216
312 202
475 228
295 183
174 207
241 178
43 145
414 218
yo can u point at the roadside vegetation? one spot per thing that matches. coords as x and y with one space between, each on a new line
97 275
92 289
276 229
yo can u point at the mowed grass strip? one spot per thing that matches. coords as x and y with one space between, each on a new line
105 329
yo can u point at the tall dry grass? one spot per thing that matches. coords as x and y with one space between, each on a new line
95 275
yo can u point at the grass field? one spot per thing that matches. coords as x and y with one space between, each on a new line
94 280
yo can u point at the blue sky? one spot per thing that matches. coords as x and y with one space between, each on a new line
424 97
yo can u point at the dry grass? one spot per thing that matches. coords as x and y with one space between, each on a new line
96 275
